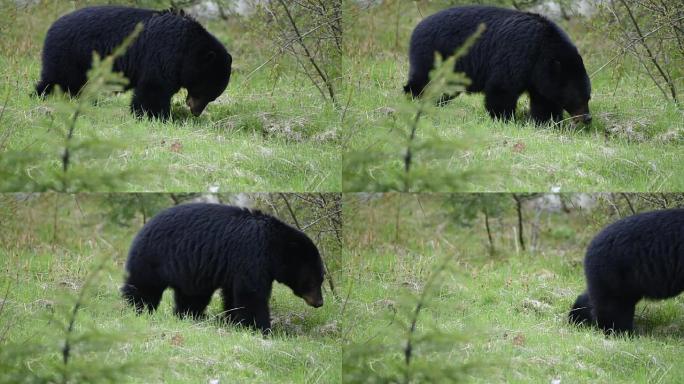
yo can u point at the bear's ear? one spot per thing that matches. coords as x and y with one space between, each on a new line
209 56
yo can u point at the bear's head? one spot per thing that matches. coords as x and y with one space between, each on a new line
205 74
581 311
301 268
563 79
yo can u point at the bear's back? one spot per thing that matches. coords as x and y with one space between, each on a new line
647 249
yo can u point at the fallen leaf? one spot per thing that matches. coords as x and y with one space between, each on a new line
519 340
176 146
518 147
177 340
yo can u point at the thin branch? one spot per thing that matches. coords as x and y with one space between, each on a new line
346 106
309 75
319 219
282 49
667 79
629 203
300 38
289 208
628 46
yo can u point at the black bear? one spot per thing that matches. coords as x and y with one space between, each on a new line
518 52
173 51
640 256
199 248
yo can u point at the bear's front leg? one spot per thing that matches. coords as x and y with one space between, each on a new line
250 307
228 307
614 314
151 100
190 305
500 103
543 110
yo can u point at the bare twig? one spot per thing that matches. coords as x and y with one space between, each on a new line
346 105
289 208
300 39
611 202
628 46
304 228
282 49
629 203
651 56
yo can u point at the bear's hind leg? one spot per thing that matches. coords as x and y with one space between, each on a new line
614 315
500 103
190 305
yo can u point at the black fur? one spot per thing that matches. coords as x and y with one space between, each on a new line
581 311
518 52
199 248
641 256
173 51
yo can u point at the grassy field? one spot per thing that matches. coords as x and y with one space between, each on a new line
498 318
269 131
43 272
633 144
422 294
485 315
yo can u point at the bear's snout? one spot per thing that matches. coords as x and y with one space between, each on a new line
581 115
196 105
314 299
586 118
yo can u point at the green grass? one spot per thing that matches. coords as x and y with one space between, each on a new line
268 132
44 272
488 318
633 144
495 319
